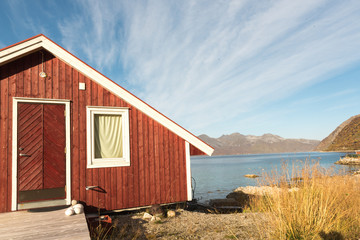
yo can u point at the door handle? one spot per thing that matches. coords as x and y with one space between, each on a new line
24 155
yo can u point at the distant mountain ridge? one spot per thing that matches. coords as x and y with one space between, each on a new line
237 143
346 137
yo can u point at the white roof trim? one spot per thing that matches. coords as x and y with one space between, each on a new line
32 44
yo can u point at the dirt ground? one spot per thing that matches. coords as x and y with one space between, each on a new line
191 225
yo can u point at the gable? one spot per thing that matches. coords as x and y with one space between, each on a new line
26 47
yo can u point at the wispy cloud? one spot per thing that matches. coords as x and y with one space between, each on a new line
95 32
204 62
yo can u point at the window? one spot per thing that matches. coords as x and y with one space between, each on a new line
108 137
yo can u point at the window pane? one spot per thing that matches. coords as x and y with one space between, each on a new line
108 136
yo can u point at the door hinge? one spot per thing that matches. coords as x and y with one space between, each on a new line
65 150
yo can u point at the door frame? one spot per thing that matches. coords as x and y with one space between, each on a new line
47 203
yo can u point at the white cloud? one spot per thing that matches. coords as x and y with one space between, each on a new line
194 60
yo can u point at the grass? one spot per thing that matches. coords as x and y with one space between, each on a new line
316 204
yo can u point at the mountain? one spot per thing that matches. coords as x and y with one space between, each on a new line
345 137
237 143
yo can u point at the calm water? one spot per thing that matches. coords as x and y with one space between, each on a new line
217 176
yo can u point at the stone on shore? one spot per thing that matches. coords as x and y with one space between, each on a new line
227 202
348 161
243 195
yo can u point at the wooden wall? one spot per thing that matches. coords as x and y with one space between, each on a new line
157 173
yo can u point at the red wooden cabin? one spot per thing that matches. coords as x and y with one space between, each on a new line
68 132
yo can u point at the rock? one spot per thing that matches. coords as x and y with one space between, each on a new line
155 218
251 176
171 213
224 202
242 198
259 191
70 211
147 216
348 161
74 202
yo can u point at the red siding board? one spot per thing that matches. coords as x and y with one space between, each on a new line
28 69
161 162
156 162
134 157
146 160
141 173
3 139
157 171
20 78
49 79
55 77
151 151
88 172
75 151
34 77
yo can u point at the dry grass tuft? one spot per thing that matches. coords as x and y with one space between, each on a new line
322 206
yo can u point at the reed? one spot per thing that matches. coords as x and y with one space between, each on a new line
312 203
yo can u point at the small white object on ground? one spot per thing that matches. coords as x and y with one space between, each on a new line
147 216
78 208
74 202
70 211
155 218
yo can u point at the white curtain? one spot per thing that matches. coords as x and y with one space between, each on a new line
108 136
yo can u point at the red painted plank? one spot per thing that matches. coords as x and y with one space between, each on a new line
162 183
3 139
28 74
141 172
81 118
62 79
172 160
35 75
20 77
89 173
134 151
75 151
68 82
151 160
157 162
146 160
167 185
49 80
55 78
175 167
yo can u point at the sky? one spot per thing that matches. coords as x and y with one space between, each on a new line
290 68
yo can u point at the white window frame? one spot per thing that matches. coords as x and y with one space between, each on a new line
92 162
